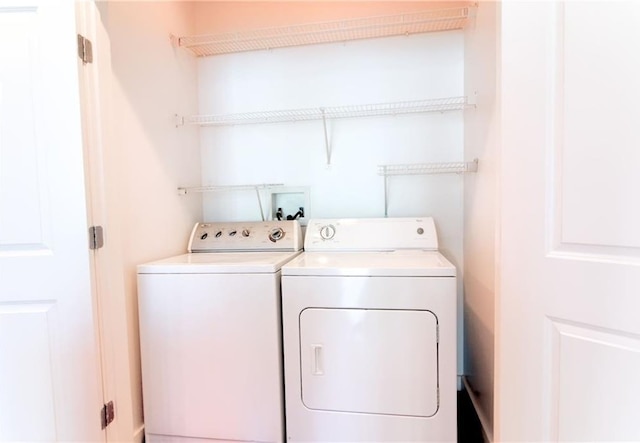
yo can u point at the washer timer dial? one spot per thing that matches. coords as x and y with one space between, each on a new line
276 234
327 232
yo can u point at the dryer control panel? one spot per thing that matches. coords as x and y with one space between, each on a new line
246 236
371 234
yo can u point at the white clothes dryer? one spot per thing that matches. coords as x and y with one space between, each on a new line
369 330
210 335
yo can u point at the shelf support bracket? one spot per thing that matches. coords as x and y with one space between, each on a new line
327 145
260 203
386 189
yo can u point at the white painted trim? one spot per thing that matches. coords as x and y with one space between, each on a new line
83 27
108 283
487 430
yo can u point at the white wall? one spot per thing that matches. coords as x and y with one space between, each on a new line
147 158
361 72
480 210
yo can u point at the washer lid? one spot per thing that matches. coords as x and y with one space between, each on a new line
405 263
219 263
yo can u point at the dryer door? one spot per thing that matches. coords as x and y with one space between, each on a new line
375 361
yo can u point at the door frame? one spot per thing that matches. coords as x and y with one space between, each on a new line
107 280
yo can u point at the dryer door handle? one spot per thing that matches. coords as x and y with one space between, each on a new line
316 360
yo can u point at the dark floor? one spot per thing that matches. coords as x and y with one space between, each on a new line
469 428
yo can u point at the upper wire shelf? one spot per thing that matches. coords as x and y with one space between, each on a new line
336 112
326 32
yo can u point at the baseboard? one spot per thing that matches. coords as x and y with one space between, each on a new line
487 427
138 435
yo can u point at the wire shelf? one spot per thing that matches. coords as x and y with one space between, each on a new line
338 112
219 188
422 169
326 32
428 168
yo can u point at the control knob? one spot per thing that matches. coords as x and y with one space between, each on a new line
245 233
327 232
276 234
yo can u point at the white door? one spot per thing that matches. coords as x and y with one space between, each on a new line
49 364
569 315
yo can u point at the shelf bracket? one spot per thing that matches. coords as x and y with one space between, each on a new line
386 190
472 100
260 203
327 144
175 40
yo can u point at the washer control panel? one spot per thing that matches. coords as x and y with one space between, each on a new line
371 234
246 236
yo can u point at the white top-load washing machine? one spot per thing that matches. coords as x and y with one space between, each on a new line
210 335
369 330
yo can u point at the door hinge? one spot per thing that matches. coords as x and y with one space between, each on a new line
85 50
107 414
96 237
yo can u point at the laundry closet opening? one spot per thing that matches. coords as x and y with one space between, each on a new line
339 164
